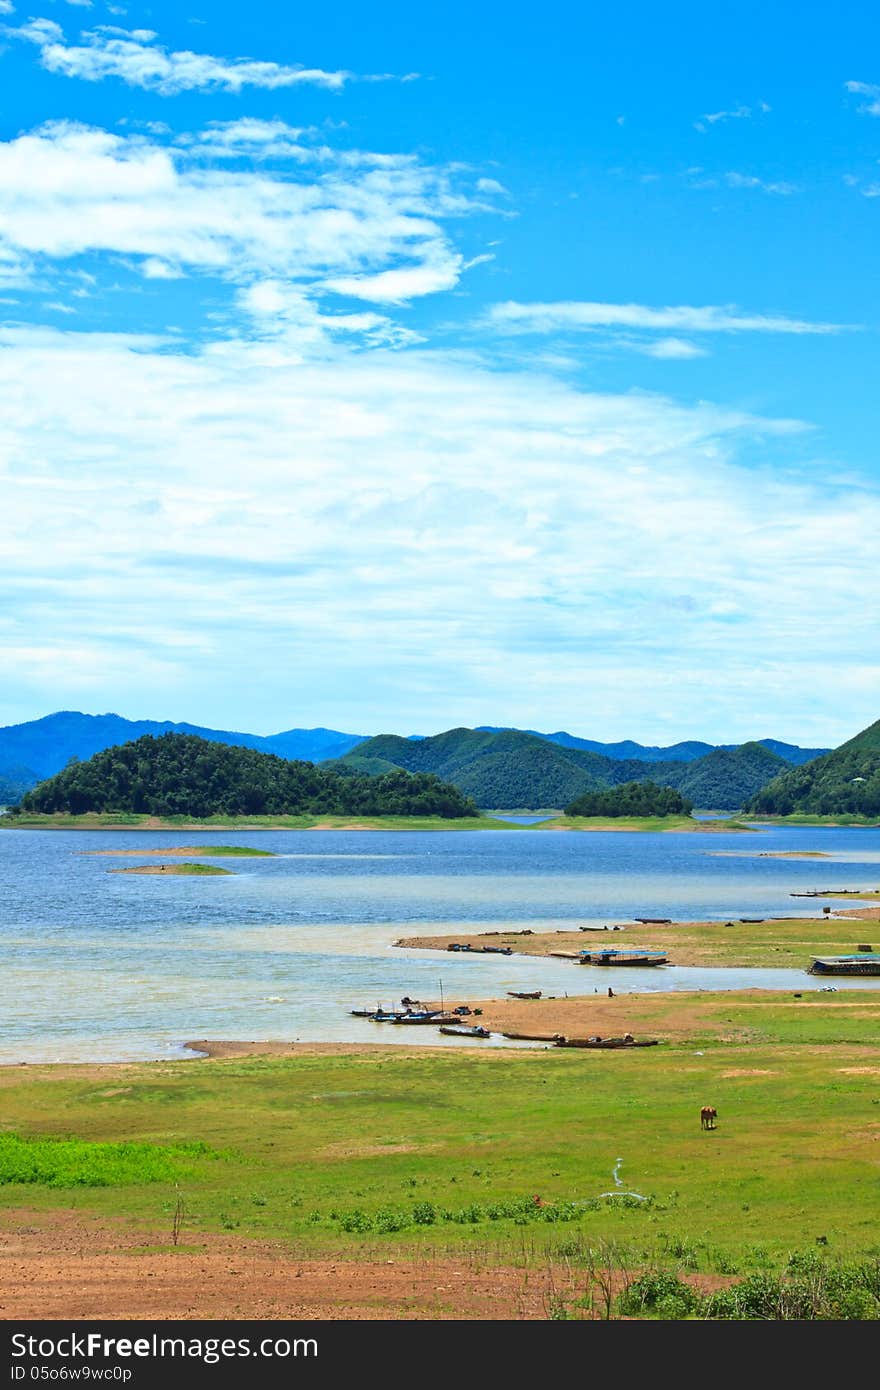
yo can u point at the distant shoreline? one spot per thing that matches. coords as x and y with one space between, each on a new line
107 821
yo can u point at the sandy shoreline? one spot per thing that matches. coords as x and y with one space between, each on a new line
671 1017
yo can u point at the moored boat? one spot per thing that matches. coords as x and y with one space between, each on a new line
863 964
462 1030
524 994
623 1043
425 1018
611 957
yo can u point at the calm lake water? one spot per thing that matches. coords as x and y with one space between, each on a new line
102 966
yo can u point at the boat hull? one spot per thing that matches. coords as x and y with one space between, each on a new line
866 966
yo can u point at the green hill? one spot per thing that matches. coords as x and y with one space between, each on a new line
503 769
181 774
725 778
510 768
845 781
631 799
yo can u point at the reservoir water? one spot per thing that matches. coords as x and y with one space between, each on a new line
96 965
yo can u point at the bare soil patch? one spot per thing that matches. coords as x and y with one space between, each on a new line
67 1265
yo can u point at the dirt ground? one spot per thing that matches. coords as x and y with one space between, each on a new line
68 1265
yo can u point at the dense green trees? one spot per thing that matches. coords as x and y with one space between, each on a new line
631 799
510 768
180 774
845 782
725 778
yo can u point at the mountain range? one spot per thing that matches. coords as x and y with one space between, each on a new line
516 769
498 767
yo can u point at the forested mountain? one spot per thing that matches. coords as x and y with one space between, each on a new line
726 778
14 782
506 769
510 768
497 766
631 799
180 774
845 781
42 747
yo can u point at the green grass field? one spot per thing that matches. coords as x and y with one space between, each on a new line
788 943
392 1149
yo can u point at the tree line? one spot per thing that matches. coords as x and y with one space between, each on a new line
631 799
183 775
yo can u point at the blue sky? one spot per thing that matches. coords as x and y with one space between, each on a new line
405 368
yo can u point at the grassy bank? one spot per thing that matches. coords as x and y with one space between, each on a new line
800 818
642 823
383 1150
116 821
783 944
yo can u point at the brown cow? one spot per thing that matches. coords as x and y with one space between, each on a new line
708 1116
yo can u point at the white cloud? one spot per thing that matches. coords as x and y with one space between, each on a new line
371 231
513 317
440 270
672 349
134 57
736 180
869 90
738 113
6 7
380 538
252 139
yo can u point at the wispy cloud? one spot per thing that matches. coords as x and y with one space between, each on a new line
577 314
866 89
6 7
136 58
737 180
670 349
737 113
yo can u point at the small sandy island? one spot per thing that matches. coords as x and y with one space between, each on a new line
769 854
201 851
181 869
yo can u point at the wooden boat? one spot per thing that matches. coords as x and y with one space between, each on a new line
654 921
426 1018
462 1030
533 1037
752 920
524 994
480 950
606 1042
607 956
866 964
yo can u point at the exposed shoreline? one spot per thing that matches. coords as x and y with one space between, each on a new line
771 942
670 825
